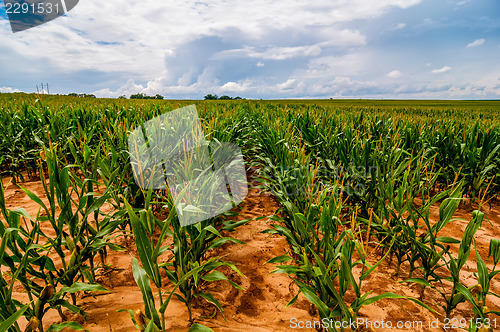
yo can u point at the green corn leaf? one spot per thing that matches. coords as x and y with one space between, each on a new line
470 230
218 242
288 269
5 241
482 271
182 280
164 230
286 233
493 274
144 247
200 328
142 281
70 307
494 250
215 275
97 204
390 295
115 247
494 312
192 209
212 230
230 225
447 209
82 287
292 301
72 325
274 218
491 155
279 259
235 285
36 199
22 212
210 298
447 240
6 324
467 294
2 199
108 228
232 266
151 327
420 281
311 296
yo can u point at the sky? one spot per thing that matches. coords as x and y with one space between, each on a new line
402 49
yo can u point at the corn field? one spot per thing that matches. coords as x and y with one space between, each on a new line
356 182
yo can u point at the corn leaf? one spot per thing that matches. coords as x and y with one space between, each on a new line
6 324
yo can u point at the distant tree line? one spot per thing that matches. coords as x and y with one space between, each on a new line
215 97
81 95
143 96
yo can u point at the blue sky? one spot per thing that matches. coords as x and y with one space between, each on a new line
432 49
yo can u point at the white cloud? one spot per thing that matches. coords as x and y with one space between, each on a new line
477 42
394 74
341 38
282 53
328 66
234 87
6 89
114 36
462 3
398 26
332 37
127 89
441 70
291 83
260 64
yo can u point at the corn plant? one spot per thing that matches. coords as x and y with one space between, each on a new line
430 248
10 309
29 264
323 256
479 292
327 279
188 271
459 293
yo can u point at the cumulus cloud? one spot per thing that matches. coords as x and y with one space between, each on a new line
394 74
290 84
234 87
477 42
271 53
6 89
441 70
282 53
127 89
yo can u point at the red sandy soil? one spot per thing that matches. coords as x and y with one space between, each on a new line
261 306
